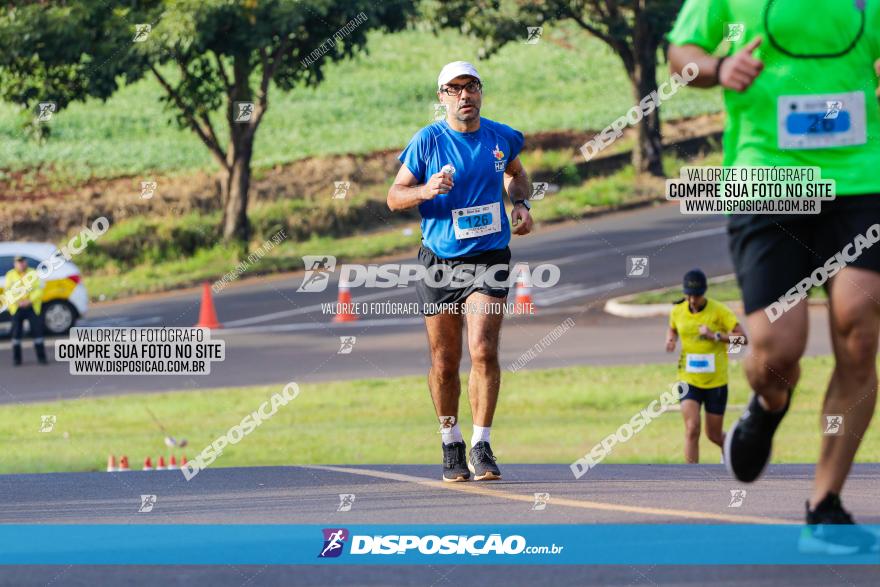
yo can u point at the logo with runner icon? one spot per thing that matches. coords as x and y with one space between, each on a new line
346 500
147 504
832 109
539 190
737 498
541 500
334 540
735 31
47 423
735 343
346 345
318 270
534 34
833 425
637 266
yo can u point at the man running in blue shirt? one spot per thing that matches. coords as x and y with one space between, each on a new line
456 171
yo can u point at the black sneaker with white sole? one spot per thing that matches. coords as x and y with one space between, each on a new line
831 530
455 466
748 444
482 462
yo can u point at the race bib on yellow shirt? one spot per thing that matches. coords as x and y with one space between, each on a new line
821 121
699 363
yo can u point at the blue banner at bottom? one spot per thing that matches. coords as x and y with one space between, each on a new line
613 544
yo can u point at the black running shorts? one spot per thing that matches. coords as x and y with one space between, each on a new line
435 293
715 398
772 253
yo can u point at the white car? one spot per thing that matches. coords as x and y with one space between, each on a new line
64 299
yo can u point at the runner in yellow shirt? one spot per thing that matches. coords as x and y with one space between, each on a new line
707 329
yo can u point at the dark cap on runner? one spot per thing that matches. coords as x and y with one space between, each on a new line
694 283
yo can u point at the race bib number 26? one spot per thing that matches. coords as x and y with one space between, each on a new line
821 121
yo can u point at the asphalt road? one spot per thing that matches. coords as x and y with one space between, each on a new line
414 494
406 494
444 575
275 334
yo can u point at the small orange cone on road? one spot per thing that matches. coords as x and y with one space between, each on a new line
524 302
344 307
111 464
148 464
172 464
161 464
207 314
183 461
123 463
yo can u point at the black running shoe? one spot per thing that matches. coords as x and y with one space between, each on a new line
482 462
831 530
748 444
454 462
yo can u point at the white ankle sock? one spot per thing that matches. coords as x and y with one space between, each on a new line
450 434
481 433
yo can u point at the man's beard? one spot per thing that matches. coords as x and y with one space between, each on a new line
475 113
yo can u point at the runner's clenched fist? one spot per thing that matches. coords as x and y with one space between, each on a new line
738 71
439 183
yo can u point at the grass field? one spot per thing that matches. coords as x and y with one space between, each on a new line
544 416
567 81
213 263
726 290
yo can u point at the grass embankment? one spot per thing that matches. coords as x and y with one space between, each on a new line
375 101
545 416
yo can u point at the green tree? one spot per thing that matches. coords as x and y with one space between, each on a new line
215 59
634 29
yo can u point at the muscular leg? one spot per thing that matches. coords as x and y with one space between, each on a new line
714 424
484 332
444 341
690 411
772 365
852 391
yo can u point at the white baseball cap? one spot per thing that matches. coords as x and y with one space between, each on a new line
452 70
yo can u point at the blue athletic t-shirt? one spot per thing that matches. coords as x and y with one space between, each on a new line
479 158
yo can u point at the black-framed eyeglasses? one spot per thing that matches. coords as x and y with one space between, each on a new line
473 87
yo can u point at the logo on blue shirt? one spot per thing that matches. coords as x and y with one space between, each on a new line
479 158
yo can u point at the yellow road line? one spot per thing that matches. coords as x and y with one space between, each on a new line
477 488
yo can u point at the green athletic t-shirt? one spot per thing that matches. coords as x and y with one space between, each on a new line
778 120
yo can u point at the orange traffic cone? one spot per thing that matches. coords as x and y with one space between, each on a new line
172 464
161 464
524 303
344 307
183 461
148 464
207 314
123 463
111 464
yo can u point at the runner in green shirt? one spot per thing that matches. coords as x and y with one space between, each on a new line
800 89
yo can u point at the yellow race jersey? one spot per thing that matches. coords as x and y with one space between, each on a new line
703 362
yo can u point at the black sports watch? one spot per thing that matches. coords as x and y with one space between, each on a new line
524 203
